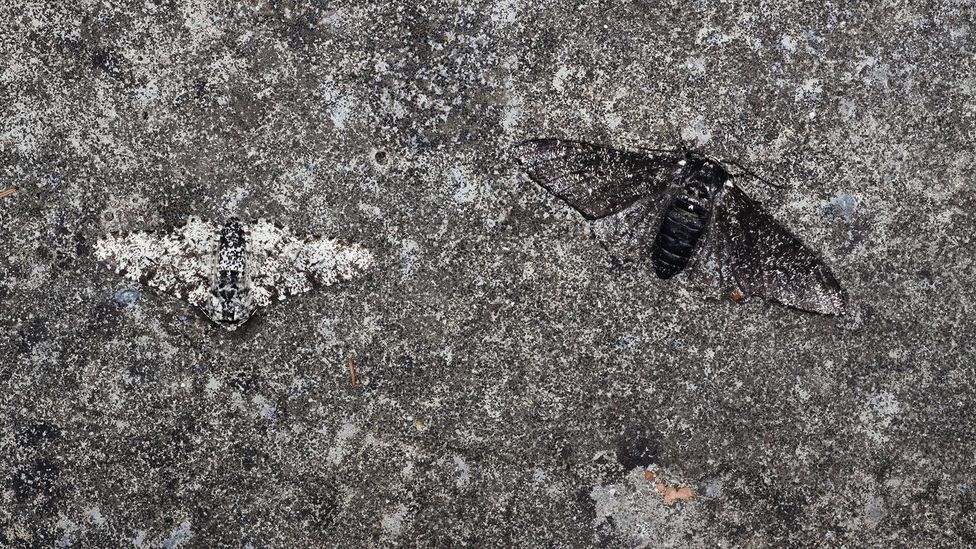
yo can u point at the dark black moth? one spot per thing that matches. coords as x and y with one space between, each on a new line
683 211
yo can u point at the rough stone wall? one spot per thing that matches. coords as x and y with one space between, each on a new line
513 385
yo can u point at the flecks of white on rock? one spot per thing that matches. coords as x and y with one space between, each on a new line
877 416
178 536
464 471
392 523
340 446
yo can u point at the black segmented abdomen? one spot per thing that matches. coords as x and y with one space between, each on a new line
683 224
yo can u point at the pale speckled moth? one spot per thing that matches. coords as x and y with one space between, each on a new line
230 270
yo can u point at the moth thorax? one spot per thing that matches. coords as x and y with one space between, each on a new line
232 246
704 183
231 276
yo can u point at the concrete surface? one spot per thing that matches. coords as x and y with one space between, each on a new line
512 384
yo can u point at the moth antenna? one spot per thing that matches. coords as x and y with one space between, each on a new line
676 138
752 174
684 146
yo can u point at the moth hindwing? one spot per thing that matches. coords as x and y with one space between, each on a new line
683 212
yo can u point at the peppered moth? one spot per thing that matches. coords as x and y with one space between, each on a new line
228 271
684 211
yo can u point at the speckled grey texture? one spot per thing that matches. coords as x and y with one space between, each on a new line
512 384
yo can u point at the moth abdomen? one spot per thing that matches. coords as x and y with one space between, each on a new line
682 227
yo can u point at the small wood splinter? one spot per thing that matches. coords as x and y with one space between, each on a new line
671 494
8 192
351 364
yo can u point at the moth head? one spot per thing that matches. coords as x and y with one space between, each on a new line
713 170
704 173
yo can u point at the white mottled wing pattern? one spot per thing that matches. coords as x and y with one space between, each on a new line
187 263
283 264
178 262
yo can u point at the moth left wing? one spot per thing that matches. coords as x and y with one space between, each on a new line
629 235
284 264
178 261
748 253
597 181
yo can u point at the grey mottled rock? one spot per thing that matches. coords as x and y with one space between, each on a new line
506 370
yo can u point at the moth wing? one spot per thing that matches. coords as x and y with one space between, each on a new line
330 261
597 181
284 264
712 264
629 235
747 253
178 262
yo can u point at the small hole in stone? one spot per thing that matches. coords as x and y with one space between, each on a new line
108 215
380 157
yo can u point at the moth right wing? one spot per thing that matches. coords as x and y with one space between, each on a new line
748 253
286 264
597 181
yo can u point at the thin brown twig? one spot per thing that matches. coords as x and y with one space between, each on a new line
351 364
8 192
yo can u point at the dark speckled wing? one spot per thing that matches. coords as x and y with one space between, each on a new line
747 253
629 235
597 181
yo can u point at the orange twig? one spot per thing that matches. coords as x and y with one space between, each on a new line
8 192
352 369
